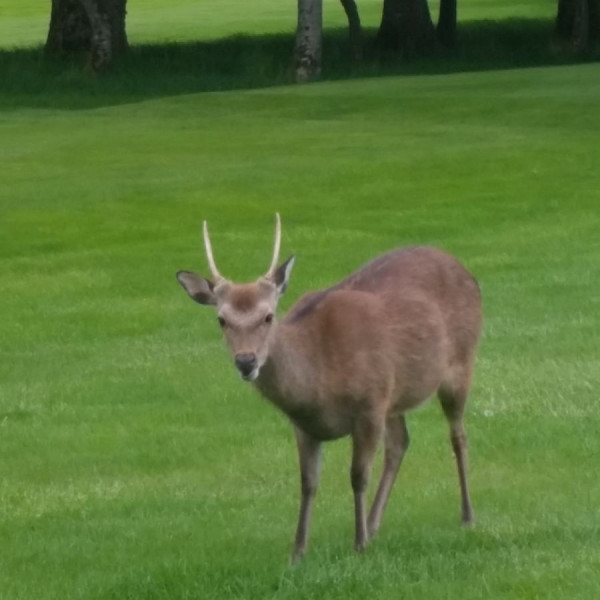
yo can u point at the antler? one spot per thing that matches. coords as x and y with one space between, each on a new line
209 255
273 267
211 259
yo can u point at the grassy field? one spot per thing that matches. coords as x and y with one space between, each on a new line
133 461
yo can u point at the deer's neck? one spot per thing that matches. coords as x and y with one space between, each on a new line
287 377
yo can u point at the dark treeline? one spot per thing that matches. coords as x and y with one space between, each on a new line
256 61
97 29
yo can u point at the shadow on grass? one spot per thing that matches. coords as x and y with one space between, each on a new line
244 62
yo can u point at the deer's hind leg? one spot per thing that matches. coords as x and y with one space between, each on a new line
453 397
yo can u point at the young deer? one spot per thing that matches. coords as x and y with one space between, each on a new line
354 358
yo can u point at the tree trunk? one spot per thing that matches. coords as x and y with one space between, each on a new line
406 26
354 27
69 29
446 26
595 20
309 41
578 21
96 27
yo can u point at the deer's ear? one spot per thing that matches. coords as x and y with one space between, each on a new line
282 274
198 288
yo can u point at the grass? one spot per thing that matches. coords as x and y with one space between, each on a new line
135 464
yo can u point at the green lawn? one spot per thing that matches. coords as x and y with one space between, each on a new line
134 463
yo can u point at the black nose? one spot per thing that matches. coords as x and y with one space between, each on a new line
245 363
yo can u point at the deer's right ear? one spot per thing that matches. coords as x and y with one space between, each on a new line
198 288
282 274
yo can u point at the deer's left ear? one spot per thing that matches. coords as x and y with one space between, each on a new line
282 275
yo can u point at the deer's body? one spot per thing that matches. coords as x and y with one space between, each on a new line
382 340
354 358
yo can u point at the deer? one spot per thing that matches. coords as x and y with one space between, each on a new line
353 359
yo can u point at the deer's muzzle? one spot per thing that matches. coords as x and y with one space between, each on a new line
247 365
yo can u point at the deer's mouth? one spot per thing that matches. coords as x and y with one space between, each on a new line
250 376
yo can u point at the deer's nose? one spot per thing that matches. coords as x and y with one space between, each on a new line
246 363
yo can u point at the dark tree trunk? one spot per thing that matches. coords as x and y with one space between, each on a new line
69 29
354 27
96 27
446 26
564 18
595 20
578 22
406 26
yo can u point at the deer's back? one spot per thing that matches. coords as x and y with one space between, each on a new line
434 275
428 315
435 280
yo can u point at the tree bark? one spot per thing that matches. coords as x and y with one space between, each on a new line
354 27
309 41
595 20
578 21
581 26
406 26
96 27
446 26
69 29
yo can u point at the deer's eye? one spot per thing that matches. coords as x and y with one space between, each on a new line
222 322
269 318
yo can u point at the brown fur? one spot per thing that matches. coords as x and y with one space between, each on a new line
354 358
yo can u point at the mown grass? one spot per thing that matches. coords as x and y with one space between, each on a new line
135 464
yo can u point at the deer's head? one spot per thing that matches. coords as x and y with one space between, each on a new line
245 311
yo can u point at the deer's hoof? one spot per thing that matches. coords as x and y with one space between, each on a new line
468 522
297 556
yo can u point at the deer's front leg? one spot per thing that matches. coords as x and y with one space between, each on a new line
365 439
309 452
